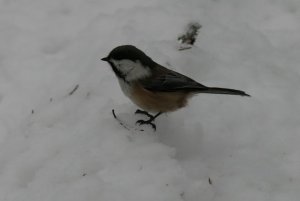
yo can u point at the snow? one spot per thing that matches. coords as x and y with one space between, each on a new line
56 146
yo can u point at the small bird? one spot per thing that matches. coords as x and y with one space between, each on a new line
153 87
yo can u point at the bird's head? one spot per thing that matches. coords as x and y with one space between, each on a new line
129 63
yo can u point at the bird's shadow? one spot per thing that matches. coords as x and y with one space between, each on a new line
183 134
175 131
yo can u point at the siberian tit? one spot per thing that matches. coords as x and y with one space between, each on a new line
153 87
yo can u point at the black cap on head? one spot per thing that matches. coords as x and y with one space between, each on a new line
129 52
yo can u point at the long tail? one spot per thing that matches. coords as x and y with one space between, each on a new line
216 90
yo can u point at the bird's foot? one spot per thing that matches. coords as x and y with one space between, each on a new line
148 122
144 113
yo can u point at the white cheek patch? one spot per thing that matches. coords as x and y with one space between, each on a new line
131 70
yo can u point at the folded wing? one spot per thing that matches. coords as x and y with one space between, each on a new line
165 80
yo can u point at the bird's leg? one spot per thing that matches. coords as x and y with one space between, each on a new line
150 120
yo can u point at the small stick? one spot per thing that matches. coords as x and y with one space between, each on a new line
184 48
75 88
209 181
123 124
120 122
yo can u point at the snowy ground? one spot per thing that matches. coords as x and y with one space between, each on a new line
56 146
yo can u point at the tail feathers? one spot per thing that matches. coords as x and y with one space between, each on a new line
216 90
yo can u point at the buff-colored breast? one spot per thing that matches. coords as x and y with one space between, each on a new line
158 101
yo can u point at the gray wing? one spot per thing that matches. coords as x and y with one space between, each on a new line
165 80
171 81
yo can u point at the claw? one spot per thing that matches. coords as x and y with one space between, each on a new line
149 122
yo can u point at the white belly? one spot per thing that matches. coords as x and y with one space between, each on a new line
126 88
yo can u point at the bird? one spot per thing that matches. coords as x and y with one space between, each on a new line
153 87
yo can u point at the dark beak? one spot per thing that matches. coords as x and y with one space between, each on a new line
105 59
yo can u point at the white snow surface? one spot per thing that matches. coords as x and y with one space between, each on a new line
56 146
